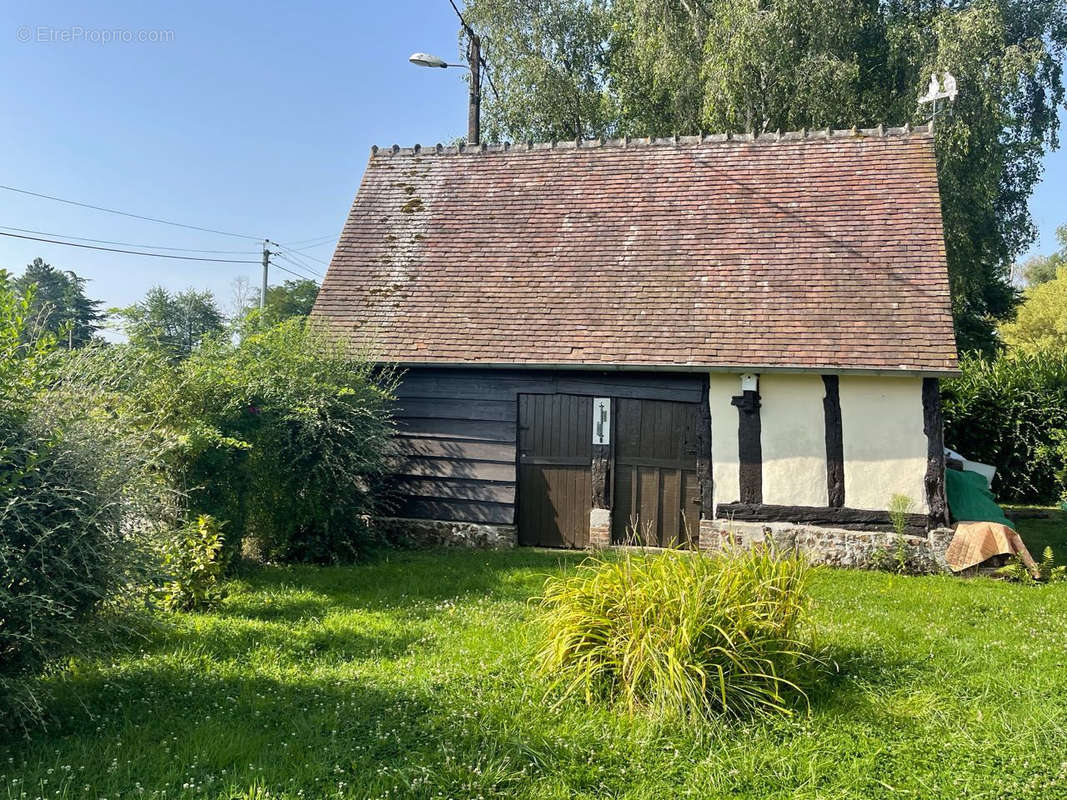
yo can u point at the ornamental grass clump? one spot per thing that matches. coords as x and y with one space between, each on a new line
681 633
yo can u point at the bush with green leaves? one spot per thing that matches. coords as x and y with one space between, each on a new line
680 633
78 495
195 564
282 437
1011 412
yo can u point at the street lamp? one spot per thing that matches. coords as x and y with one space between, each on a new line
474 64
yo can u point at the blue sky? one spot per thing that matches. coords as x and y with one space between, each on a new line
254 118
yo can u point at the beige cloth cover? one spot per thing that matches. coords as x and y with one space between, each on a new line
975 542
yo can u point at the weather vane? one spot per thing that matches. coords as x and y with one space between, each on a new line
943 89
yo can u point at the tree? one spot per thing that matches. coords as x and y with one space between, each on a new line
658 67
175 323
59 306
1042 269
550 65
1041 321
291 299
294 298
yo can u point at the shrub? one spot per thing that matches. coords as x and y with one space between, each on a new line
76 500
282 437
680 633
195 562
1012 412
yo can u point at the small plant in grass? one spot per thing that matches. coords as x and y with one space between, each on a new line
900 507
680 633
1049 571
195 562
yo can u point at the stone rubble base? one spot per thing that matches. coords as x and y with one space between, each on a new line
831 546
419 533
921 555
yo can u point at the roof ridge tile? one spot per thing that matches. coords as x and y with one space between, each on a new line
694 140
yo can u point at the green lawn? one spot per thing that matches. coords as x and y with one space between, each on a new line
412 677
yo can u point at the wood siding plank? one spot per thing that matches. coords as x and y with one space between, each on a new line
458 510
457 449
455 468
455 489
474 430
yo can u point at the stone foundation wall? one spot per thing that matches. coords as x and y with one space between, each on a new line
834 546
419 533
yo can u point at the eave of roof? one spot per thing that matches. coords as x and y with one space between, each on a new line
595 366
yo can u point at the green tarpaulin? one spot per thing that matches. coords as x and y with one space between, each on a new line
970 500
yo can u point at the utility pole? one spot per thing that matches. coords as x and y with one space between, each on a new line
474 106
266 266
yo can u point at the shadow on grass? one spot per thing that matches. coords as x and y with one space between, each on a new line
166 726
284 645
847 673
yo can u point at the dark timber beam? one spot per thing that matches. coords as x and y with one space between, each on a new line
933 427
601 472
749 448
829 517
704 480
835 449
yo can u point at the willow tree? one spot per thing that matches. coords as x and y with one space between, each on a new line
569 68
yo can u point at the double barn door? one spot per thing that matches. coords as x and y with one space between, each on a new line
653 492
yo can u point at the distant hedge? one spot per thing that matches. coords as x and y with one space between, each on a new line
1011 412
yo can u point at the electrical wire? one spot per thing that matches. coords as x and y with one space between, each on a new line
128 252
309 272
283 269
302 256
472 34
130 214
318 240
124 244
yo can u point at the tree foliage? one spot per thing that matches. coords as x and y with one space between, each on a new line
1041 268
1011 412
293 298
59 306
175 323
1041 321
570 68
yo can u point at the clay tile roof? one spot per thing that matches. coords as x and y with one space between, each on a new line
809 250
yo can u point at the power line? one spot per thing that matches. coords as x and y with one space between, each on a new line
297 264
301 256
130 214
124 244
470 32
283 269
128 252
318 240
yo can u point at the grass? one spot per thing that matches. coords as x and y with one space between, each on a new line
413 677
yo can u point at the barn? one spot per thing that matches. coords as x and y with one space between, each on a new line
641 339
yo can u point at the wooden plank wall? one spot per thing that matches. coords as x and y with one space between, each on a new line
455 450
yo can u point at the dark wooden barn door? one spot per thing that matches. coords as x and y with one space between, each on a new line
656 487
555 484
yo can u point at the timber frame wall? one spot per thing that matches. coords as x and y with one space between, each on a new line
456 445
456 437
